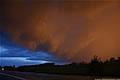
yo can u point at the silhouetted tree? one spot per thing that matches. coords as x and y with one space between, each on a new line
96 59
95 65
112 60
119 60
106 61
73 64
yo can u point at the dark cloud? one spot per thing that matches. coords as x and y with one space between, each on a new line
13 54
75 30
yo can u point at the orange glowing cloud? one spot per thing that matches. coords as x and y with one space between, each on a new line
76 30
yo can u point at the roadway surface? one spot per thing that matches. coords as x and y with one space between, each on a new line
40 76
8 77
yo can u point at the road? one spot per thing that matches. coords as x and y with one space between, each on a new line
14 75
41 76
8 77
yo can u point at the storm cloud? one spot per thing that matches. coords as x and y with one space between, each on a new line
74 29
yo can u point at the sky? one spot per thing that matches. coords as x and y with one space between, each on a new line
13 54
63 30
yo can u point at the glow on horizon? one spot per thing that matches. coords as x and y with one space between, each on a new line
19 61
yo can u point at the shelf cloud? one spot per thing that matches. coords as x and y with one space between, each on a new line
74 29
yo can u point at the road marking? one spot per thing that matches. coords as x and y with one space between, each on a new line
13 76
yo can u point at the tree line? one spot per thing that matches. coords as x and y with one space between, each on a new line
96 67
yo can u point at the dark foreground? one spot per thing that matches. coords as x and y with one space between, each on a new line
6 77
108 68
41 76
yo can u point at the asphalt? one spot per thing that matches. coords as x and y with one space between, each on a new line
8 77
42 76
